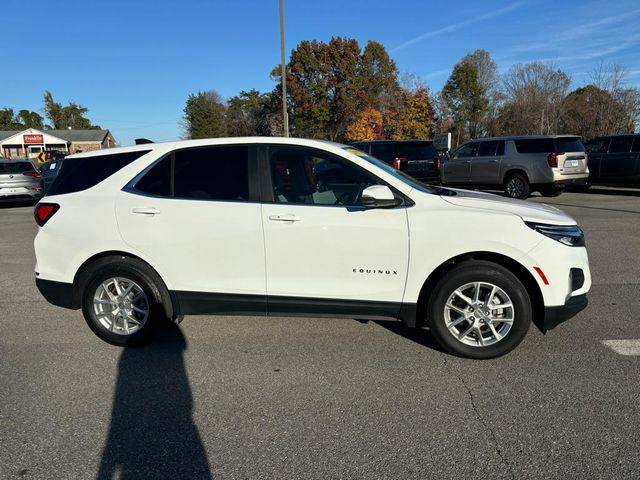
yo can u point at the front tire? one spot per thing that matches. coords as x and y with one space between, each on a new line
479 310
121 303
516 185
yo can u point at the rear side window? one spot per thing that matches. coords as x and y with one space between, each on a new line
15 167
598 145
636 145
384 151
212 173
416 150
534 145
77 174
157 181
620 144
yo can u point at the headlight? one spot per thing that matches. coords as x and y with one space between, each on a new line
571 235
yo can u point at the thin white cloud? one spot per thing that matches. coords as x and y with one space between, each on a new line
457 26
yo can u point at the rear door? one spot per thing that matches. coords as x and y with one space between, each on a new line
325 252
457 170
485 167
619 164
195 215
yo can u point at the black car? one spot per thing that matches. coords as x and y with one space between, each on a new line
418 158
614 160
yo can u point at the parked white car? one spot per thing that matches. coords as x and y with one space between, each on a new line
275 226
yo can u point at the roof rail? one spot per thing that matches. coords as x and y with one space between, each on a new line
142 141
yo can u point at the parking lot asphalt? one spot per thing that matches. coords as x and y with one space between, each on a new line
248 397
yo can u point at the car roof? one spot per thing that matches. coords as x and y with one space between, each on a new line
168 146
390 140
522 137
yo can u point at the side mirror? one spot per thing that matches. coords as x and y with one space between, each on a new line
379 196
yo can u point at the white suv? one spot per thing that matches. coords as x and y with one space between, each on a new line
274 226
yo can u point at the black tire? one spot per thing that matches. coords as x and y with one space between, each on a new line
479 271
133 270
516 185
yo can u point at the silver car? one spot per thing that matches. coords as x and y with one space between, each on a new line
19 180
519 164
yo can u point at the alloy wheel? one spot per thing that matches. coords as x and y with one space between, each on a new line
121 306
479 314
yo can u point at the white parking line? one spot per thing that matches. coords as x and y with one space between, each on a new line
624 347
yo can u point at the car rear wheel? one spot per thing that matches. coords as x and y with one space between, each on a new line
479 310
517 186
121 304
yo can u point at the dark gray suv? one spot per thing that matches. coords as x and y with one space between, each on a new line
518 164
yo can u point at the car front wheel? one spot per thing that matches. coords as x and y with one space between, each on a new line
479 310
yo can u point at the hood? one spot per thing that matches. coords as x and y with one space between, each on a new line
528 211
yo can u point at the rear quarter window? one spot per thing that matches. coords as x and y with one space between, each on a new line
16 167
77 174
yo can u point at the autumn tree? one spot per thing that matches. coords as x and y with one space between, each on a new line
367 125
411 115
378 77
204 115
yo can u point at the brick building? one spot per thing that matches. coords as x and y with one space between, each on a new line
30 142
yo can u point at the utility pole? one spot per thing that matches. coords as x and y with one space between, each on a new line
285 115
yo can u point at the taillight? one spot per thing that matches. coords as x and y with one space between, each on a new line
44 211
553 159
397 161
32 174
438 161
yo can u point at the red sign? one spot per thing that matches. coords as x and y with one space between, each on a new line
33 138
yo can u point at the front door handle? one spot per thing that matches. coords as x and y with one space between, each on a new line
288 217
492 161
150 211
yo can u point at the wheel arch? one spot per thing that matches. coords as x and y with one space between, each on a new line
169 303
523 274
513 171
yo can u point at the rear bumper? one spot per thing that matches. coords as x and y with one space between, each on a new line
59 294
553 316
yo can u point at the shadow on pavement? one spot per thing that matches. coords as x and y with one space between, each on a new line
152 434
420 336
623 192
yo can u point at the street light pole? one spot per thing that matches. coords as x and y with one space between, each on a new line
285 115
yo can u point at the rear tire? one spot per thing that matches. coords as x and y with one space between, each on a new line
516 185
477 327
121 302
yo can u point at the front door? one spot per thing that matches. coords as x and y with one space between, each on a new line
326 253
194 217
619 164
485 168
457 170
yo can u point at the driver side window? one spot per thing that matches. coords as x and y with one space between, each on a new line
465 151
307 176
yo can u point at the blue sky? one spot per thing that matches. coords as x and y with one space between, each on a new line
133 63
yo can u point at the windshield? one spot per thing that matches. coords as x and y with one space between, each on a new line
412 182
416 150
568 144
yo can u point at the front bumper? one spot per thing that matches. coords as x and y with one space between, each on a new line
553 316
59 294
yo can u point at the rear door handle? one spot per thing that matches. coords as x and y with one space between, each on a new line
492 161
288 217
145 211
